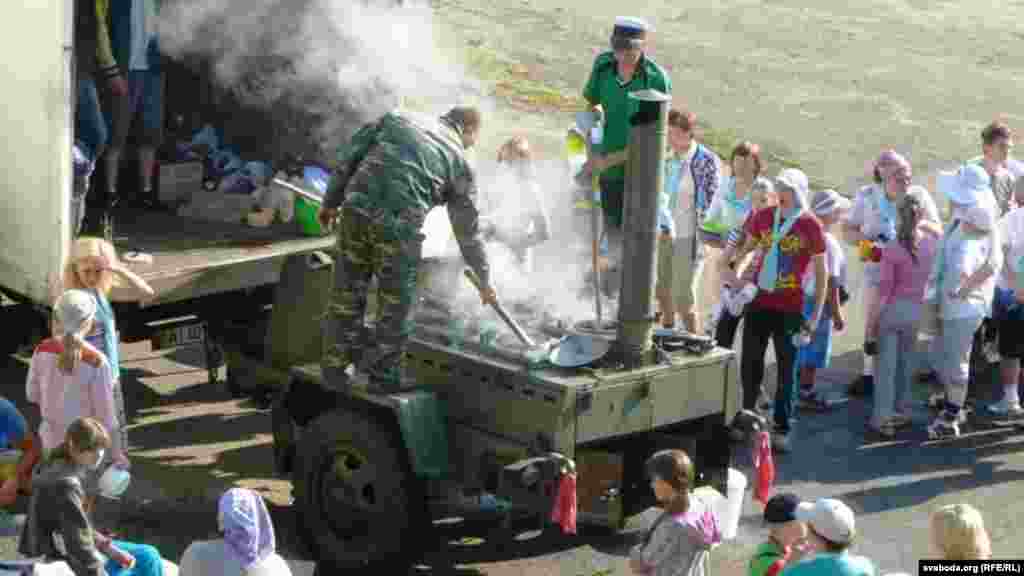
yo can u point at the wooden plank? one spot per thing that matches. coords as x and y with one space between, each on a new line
188 253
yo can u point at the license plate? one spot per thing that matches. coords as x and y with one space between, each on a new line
179 336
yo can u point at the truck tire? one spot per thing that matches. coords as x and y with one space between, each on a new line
233 385
358 501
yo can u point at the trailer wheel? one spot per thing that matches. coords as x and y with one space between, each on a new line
233 385
360 504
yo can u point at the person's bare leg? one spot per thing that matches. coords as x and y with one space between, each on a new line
147 165
112 163
668 317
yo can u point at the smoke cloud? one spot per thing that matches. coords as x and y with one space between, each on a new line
340 63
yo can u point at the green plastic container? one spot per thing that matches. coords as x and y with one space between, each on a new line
306 215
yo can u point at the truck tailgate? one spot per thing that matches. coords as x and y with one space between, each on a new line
193 258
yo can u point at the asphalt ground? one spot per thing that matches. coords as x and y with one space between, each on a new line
190 440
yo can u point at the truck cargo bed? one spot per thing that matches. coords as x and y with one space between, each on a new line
193 257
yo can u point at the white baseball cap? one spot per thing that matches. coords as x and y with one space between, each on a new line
827 201
964 186
829 518
73 309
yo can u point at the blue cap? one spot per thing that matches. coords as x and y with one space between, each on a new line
965 186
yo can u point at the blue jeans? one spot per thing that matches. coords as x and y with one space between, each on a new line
818 353
147 561
90 125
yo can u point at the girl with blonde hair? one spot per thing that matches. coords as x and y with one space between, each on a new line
95 268
958 533
68 378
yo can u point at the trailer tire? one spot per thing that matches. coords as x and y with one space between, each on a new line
359 502
232 383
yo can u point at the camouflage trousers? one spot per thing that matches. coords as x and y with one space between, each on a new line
389 247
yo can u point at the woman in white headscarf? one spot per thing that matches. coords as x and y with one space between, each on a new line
247 548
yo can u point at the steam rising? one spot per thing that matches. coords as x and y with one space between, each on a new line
560 265
341 63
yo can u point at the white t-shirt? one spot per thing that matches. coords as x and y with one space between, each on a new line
867 216
683 214
211 558
835 265
963 254
1011 234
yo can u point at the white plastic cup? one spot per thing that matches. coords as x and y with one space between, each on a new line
114 482
735 487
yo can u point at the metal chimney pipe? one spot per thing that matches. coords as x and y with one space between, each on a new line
645 178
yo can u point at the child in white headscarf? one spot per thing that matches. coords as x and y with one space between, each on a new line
248 547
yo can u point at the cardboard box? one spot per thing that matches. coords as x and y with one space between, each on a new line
179 182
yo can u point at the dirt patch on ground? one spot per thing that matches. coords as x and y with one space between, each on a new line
824 86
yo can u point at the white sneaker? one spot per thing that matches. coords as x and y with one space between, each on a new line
1005 408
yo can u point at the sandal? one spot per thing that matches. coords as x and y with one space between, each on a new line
887 430
899 420
815 403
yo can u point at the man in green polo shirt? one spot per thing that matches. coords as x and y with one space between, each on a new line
616 73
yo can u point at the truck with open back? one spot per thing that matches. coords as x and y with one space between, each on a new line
206 274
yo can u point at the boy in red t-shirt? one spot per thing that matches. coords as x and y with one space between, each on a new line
791 241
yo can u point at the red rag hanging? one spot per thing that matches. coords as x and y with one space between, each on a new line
765 466
564 511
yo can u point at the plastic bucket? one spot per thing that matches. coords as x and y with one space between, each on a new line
306 215
736 486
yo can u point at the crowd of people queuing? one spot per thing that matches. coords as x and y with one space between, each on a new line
781 259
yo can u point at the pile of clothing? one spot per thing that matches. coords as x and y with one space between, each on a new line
244 191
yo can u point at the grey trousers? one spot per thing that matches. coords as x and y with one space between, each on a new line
897 340
955 356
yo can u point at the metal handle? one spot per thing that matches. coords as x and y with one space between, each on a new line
473 278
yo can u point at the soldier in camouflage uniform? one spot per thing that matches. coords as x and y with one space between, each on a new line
388 177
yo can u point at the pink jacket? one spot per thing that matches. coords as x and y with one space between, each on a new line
901 278
63 398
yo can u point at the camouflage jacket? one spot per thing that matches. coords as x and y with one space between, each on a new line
407 165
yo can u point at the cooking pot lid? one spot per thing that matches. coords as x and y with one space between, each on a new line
577 350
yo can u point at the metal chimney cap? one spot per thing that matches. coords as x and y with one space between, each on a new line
650 95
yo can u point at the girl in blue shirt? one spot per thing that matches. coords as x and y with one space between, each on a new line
94 267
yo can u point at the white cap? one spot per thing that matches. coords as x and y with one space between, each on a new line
981 217
632 23
829 518
827 201
73 309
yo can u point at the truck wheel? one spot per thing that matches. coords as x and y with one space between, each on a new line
360 505
232 383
